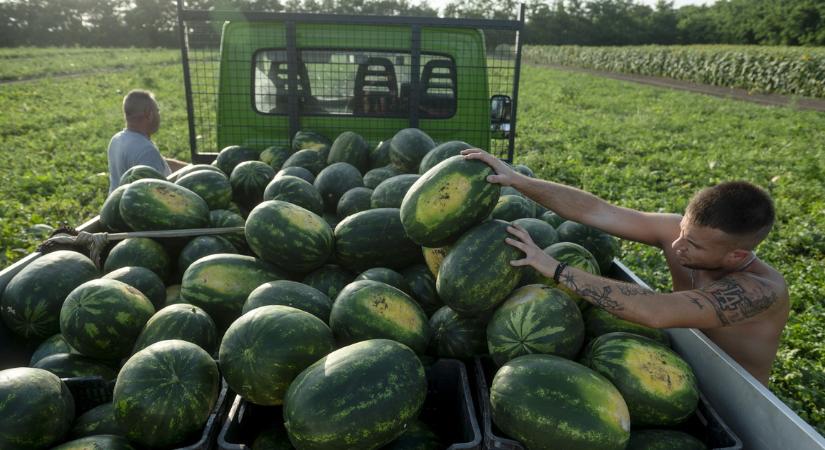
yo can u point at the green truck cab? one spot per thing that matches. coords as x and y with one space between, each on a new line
256 79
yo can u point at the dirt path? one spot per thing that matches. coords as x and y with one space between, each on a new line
801 103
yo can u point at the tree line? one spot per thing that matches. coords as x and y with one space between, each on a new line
152 23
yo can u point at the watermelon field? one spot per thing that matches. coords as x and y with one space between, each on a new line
639 147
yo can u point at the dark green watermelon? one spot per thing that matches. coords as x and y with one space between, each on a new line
290 293
272 437
422 287
102 318
139 252
97 442
231 156
552 219
601 245
336 179
476 275
390 192
375 176
408 147
440 153
349 147
249 180
51 346
30 305
37 409
181 321
418 436
192 168
295 190
71 365
289 236
96 421
306 139
512 207
329 279
574 255
374 238
222 218
266 348
140 172
310 160
160 205
448 200
110 212
598 322
354 201
144 280
297 171
275 156
387 276
524 170
454 336
378 387
663 440
202 246
212 186
380 154
165 393
542 233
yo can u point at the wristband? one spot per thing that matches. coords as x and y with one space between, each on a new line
557 274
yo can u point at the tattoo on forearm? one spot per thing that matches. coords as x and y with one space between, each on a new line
733 304
634 289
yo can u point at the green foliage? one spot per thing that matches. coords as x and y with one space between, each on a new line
783 70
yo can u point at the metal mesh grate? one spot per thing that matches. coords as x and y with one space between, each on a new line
255 79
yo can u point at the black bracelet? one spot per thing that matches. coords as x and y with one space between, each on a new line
557 274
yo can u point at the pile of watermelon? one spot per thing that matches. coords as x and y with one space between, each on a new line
357 265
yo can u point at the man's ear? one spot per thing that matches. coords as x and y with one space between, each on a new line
738 255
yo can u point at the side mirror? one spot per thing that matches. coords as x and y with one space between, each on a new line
500 108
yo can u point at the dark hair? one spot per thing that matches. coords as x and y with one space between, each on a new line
735 207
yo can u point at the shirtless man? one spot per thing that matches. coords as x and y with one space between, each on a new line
720 286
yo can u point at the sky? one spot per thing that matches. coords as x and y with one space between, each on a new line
439 4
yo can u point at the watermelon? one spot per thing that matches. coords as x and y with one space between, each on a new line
535 319
265 349
222 218
272 437
110 211
512 207
139 252
586 411
306 139
221 283
275 156
310 160
329 279
390 192
192 168
380 155
336 179
422 287
289 236
165 393
140 172
142 279
408 147
387 276
295 190
417 437
476 275
290 293
354 201
51 346
231 156
659 387
37 409
375 176
440 153
540 209
160 205
663 440
31 302
457 337
542 233
181 321
296 171
102 318
202 246
249 180
368 309
433 257
601 245
374 238
598 322
212 186
172 295
449 199
378 387
349 147
98 442
552 219
332 220
510 190
574 255
71 365
96 421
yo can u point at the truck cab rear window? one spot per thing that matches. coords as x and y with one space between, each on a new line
355 82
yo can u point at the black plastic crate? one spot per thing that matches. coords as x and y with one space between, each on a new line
448 410
705 424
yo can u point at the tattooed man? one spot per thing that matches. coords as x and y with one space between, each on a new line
720 286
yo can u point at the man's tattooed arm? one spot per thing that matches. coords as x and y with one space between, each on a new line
603 297
733 302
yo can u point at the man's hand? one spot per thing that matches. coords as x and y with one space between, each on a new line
533 255
505 175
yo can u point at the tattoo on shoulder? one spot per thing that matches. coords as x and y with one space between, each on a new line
734 303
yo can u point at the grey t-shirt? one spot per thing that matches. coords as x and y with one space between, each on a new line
129 148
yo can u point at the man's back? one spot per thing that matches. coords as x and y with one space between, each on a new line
129 148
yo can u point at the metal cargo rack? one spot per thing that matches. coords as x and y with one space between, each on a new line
284 72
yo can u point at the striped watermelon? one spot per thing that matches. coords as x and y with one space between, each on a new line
385 275
390 192
457 337
37 409
512 207
70 365
231 156
598 322
265 349
102 318
222 218
378 387
295 190
110 211
374 238
249 180
329 279
51 346
349 147
440 153
380 155
532 391
306 139
354 201
576 256
192 168
408 147
181 321
275 156
296 171
601 245
663 440
139 252
336 179
311 160
142 279
203 246
369 309
212 186
160 205
140 172
290 293
541 232
552 219
376 176
98 442
96 421
422 287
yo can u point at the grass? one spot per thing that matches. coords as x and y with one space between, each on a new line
27 63
640 147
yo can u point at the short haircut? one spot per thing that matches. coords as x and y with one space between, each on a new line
136 102
738 208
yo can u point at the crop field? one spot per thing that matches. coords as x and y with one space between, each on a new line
640 147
